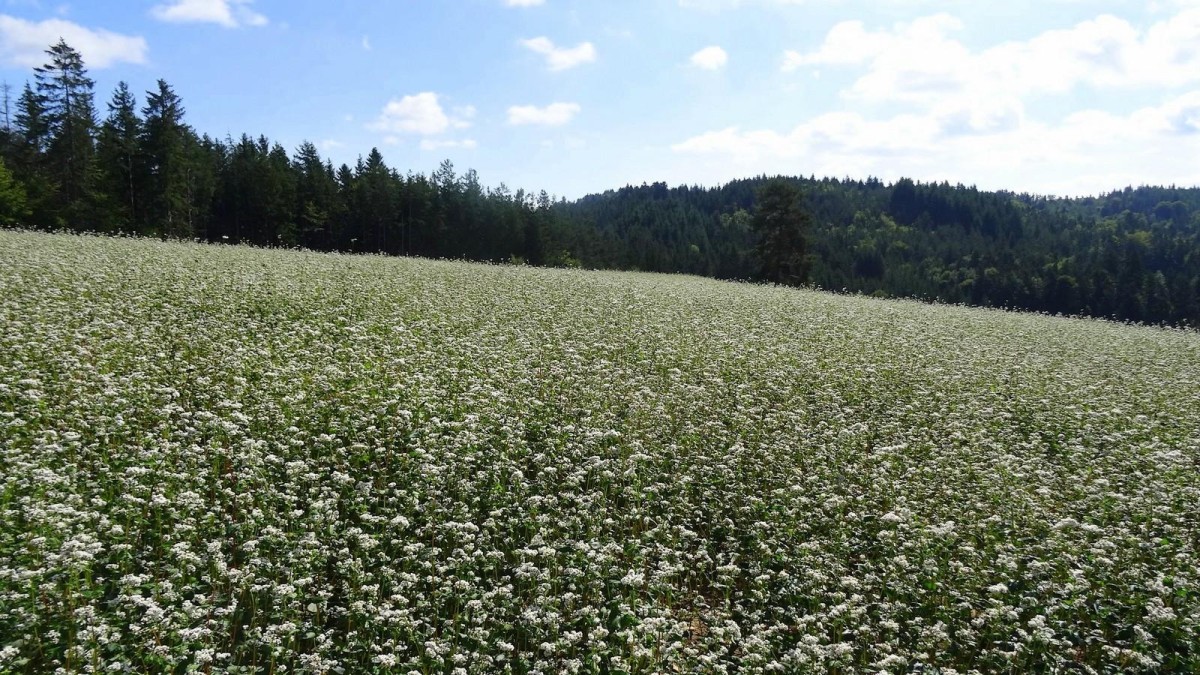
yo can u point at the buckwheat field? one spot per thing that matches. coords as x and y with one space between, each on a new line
229 460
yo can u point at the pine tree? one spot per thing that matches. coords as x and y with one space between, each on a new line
66 94
375 192
32 138
31 124
281 196
781 220
121 165
316 193
345 222
164 145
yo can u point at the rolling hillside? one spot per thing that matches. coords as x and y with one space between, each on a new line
240 460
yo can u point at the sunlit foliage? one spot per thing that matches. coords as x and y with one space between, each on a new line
233 460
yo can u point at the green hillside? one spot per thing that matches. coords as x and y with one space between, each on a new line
234 460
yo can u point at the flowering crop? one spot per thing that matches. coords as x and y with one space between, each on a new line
230 460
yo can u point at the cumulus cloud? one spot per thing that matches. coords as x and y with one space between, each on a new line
920 60
561 58
710 58
227 13
420 114
555 114
23 43
1084 153
964 113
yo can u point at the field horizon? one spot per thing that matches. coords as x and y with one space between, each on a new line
234 459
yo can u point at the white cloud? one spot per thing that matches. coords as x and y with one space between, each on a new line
420 114
561 58
24 43
227 13
523 3
920 61
555 114
330 144
430 144
366 43
710 58
963 114
1084 153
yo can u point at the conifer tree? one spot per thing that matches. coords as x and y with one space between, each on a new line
65 91
31 139
781 220
164 144
118 150
376 202
316 192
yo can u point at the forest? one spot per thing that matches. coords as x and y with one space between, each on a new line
138 168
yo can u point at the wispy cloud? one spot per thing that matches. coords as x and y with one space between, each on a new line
554 115
227 13
561 58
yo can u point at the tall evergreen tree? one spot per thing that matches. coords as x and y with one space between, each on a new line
66 94
781 221
280 195
316 194
376 204
28 155
164 145
121 165
32 124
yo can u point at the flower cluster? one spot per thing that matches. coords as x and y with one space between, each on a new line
231 460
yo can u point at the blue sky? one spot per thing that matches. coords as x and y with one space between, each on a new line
575 96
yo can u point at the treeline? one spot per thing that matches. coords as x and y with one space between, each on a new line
1131 255
141 169
144 170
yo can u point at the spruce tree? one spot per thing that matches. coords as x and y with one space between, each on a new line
65 92
781 221
316 192
31 139
164 145
121 166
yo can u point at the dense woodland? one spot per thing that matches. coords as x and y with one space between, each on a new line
137 167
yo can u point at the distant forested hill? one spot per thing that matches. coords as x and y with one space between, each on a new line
1133 254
